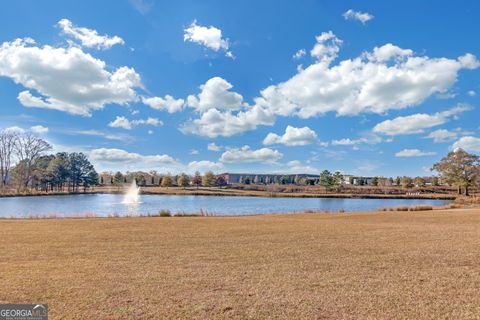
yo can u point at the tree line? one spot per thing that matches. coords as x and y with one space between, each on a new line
25 164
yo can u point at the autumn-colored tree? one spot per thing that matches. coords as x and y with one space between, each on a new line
197 179
166 181
459 168
208 179
183 180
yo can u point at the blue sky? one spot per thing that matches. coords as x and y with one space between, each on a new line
373 88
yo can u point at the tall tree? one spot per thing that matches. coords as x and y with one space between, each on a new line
220 181
183 180
29 148
326 179
197 179
459 168
337 179
406 182
166 181
81 171
208 179
118 179
8 140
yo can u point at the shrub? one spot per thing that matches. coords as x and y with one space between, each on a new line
164 213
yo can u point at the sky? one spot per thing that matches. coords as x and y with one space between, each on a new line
382 88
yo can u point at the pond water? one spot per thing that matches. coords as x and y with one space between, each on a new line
111 204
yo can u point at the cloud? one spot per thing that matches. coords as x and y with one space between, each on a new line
120 159
213 147
142 6
368 139
14 129
39 129
417 123
194 152
327 47
245 154
214 123
472 93
363 17
168 103
96 133
215 94
408 153
122 122
204 166
442 135
88 37
296 166
210 37
385 79
299 54
469 143
292 137
67 79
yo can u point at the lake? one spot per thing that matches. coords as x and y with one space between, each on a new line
111 204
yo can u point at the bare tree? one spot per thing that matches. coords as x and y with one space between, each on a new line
29 148
8 141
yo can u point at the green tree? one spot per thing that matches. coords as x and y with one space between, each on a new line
435 182
326 179
459 168
337 179
375 181
255 180
118 179
275 180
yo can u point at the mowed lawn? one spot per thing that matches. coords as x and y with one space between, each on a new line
393 265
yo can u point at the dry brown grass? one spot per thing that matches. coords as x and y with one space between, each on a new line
402 265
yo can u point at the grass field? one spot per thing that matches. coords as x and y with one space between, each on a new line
393 265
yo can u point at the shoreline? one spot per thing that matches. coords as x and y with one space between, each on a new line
215 192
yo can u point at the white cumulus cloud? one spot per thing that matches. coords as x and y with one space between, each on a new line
363 17
88 37
169 103
292 137
387 78
245 154
66 79
215 93
122 122
204 166
468 143
417 123
210 37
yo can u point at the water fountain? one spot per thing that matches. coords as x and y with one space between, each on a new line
132 194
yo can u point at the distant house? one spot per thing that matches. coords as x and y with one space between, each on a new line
349 179
232 178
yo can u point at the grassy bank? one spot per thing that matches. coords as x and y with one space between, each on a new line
401 265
